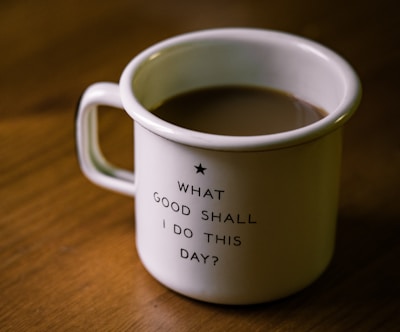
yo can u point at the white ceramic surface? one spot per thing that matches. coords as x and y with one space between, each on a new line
228 219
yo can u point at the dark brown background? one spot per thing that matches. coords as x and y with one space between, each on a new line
67 257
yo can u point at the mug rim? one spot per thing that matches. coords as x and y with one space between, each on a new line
332 121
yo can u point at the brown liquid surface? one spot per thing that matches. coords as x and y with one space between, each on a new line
237 110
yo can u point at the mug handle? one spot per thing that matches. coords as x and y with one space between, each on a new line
92 162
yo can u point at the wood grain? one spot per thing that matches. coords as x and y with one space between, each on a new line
67 253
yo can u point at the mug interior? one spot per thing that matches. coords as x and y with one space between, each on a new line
240 57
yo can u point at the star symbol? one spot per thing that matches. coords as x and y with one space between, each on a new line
200 169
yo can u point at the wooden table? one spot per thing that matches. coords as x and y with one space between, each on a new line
67 255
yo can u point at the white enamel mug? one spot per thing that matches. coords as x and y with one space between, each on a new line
228 219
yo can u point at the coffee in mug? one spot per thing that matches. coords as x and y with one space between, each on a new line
238 110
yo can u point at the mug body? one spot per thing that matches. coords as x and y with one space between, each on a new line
235 227
237 219
228 219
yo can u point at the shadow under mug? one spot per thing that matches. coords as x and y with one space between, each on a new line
228 219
